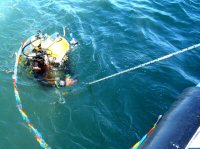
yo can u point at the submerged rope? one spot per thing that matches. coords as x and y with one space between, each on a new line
38 135
145 64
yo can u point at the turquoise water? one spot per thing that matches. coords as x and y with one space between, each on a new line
114 35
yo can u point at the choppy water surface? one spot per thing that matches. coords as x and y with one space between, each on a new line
114 35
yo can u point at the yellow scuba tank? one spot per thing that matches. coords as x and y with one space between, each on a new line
56 47
53 48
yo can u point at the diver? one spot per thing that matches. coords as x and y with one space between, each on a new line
47 58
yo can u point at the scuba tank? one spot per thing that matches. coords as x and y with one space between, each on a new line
53 48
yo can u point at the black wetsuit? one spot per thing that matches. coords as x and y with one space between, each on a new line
52 75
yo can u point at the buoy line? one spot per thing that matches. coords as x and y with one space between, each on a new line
37 134
146 64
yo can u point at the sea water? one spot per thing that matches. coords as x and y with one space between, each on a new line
114 35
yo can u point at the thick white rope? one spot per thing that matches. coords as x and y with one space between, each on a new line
145 64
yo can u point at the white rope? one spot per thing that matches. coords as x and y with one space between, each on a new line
147 63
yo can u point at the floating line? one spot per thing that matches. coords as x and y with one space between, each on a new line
138 144
145 64
38 135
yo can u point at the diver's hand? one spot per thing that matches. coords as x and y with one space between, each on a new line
70 81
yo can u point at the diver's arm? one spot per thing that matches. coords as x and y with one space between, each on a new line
70 81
